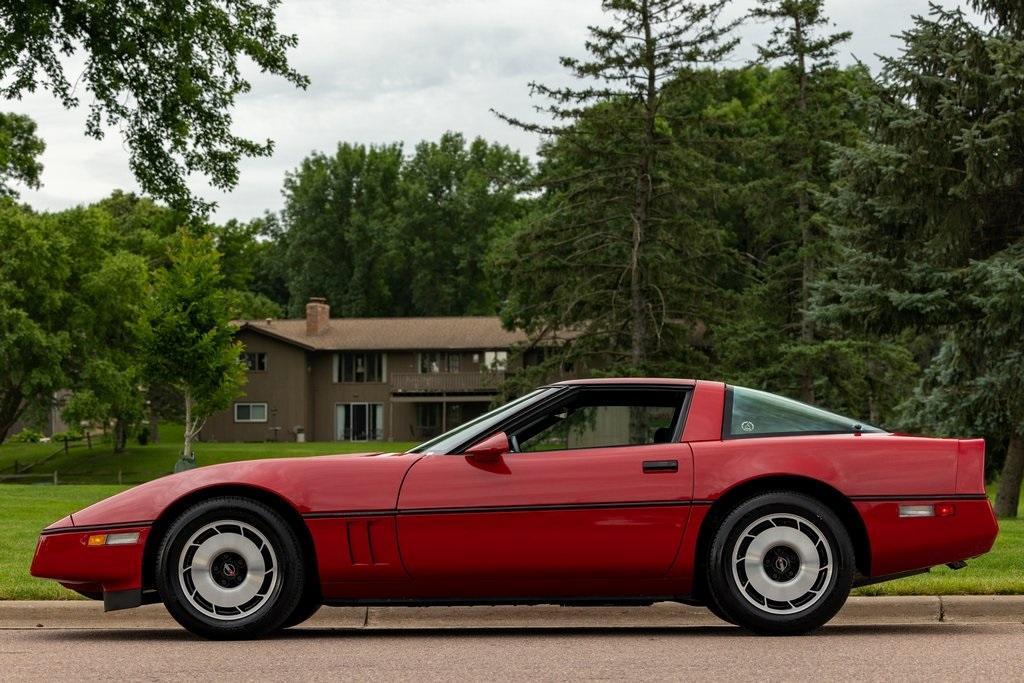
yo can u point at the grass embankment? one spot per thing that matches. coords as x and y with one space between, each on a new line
99 464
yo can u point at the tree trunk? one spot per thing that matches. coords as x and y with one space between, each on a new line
11 408
154 426
1010 479
120 435
803 209
186 450
641 205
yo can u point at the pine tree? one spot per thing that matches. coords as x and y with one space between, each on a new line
930 216
619 248
800 43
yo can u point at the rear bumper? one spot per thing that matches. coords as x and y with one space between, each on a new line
907 544
62 554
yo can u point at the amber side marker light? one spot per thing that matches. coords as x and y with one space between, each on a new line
937 510
113 539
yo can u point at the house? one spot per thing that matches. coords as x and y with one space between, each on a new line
364 379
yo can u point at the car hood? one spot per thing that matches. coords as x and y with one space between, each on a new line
329 483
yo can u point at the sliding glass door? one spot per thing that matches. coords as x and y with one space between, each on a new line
359 421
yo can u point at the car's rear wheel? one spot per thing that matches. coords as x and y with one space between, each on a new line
230 568
780 563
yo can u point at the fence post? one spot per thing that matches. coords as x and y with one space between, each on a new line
119 477
55 477
65 444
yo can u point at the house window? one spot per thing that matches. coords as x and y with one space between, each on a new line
454 362
361 366
255 361
250 412
534 357
430 361
495 361
436 361
428 419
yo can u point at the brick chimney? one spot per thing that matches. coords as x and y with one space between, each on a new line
318 316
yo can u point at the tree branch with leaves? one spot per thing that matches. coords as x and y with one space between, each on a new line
164 75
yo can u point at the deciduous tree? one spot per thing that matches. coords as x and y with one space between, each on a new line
20 149
46 326
189 342
166 75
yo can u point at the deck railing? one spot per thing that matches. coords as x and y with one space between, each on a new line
445 382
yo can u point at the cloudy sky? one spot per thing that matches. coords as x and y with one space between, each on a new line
395 70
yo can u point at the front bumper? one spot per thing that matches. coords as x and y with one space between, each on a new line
62 554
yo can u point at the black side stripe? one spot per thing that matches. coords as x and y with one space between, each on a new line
507 508
922 496
603 506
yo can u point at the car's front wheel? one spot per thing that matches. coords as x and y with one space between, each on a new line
780 563
230 568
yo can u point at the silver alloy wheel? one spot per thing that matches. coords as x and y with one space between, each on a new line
782 563
227 569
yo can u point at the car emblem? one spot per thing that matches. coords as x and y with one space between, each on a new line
747 426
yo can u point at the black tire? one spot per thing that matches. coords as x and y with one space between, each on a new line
717 610
230 568
800 561
307 607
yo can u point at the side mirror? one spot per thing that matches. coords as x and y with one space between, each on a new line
490 449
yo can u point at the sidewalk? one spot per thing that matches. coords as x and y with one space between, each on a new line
858 611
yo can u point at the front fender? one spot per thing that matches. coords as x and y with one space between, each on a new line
309 485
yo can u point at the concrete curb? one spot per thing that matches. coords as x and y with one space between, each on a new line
79 614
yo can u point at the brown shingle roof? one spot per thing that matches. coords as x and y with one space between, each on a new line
356 334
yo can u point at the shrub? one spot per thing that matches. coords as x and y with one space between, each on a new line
27 435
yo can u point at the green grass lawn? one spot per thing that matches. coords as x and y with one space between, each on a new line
141 463
24 511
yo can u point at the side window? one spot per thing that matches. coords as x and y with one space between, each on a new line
757 413
605 418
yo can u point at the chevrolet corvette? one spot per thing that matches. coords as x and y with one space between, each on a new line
617 491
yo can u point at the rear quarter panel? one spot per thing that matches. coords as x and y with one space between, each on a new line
876 472
855 465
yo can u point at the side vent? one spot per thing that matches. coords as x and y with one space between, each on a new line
360 537
356 549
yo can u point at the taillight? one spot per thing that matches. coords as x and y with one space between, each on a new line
936 510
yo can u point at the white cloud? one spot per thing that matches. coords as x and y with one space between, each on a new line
395 70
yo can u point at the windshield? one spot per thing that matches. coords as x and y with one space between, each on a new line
758 413
481 425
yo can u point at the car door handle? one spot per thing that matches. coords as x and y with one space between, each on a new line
651 466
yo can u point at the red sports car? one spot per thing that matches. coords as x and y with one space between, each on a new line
622 491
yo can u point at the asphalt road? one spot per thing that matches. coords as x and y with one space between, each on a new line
919 652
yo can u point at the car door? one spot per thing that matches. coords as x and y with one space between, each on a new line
597 485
